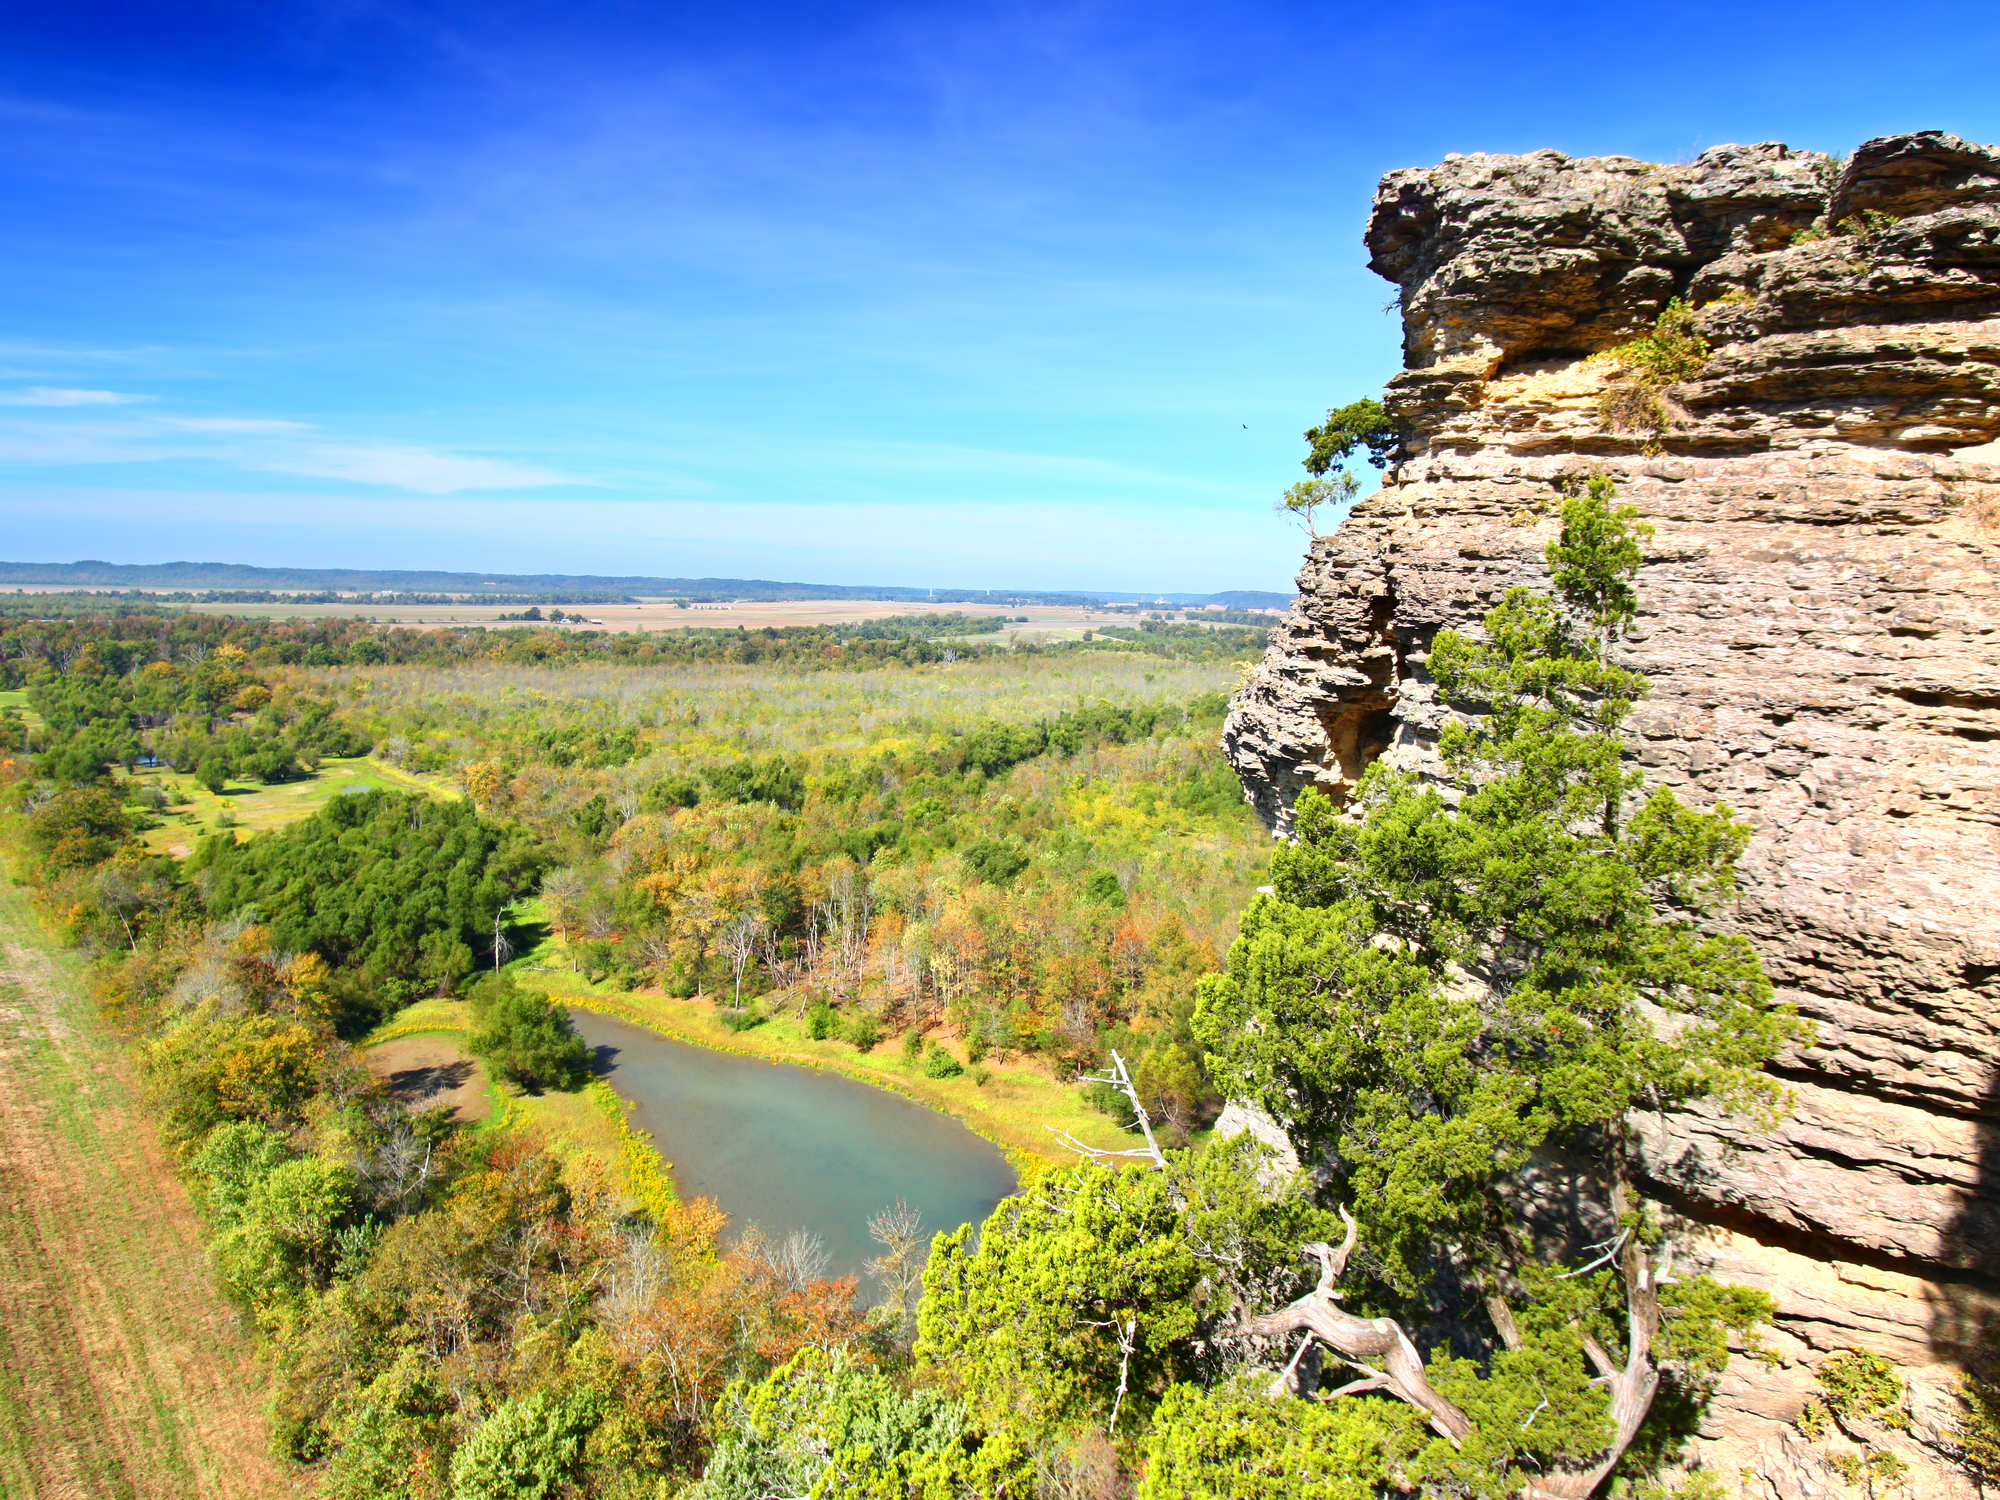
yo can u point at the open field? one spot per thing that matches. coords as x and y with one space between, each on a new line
428 1071
1043 622
256 807
123 1373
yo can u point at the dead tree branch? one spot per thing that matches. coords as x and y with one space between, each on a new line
1119 1078
1396 1366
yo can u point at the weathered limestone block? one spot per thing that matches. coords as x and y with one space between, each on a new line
1820 621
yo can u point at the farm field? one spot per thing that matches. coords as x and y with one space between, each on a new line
123 1373
1043 621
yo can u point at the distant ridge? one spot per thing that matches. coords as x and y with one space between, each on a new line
93 574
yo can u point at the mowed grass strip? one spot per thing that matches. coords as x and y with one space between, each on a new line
123 1372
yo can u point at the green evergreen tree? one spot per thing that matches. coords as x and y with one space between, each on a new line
1452 977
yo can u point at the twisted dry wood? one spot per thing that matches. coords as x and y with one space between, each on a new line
1378 1346
1389 1361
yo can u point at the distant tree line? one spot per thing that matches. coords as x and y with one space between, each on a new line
126 638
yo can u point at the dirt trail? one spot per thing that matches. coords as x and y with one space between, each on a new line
123 1373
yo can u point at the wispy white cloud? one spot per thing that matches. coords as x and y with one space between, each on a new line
423 471
233 424
55 395
262 444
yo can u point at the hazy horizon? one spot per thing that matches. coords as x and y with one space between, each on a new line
435 578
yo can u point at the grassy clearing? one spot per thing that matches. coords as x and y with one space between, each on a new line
573 1124
122 1371
256 808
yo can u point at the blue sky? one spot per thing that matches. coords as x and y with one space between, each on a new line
985 295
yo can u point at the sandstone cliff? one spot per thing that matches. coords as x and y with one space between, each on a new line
1821 624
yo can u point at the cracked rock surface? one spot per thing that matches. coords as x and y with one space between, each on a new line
1821 625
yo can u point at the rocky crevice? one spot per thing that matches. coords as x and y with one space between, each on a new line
1821 626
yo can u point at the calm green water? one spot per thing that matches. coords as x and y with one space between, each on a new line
791 1148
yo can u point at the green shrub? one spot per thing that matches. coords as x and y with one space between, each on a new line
529 1449
232 1160
737 1019
939 1063
1107 1100
864 1032
1858 1384
1649 367
78 828
1978 1429
1236 1443
401 1418
280 1241
994 860
669 793
1364 424
913 1046
822 1021
525 1037
794 1432
773 779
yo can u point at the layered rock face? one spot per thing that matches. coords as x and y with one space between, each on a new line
1820 620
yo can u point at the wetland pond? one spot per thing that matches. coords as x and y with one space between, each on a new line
789 1148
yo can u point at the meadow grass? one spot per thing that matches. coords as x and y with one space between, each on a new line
257 808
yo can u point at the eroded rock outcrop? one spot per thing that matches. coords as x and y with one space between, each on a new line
1821 625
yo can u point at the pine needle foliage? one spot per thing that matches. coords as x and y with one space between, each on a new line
1451 976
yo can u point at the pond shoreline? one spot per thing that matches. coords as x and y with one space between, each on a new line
1026 1164
1013 1111
774 1144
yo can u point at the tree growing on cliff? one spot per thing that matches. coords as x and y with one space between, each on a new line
1308 495
1461 978
1362 424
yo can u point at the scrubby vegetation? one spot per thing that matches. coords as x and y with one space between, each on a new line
1030 857
1640 396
